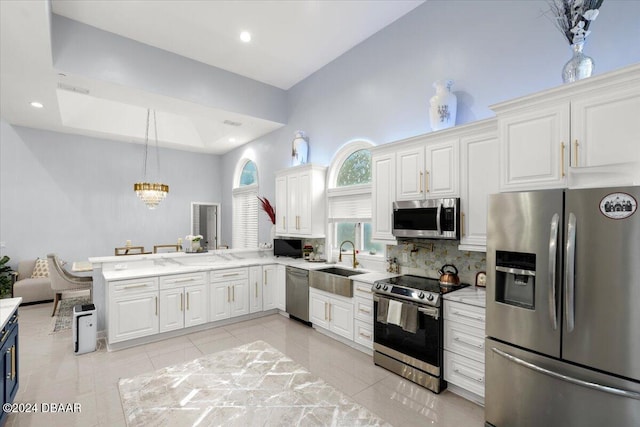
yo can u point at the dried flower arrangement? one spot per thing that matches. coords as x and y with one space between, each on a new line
268 208
573 17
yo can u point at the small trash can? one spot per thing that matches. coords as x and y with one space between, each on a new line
84 328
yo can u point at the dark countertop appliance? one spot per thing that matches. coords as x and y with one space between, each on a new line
287 247
408 328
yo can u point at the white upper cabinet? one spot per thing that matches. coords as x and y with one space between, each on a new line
479 177
383 193
300 195
534 147
428 169
605 127
585 129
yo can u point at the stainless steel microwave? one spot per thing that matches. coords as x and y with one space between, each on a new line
427 219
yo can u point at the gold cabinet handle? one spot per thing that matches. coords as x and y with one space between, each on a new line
420 181
364 310
228 293
575 144
462 226
329 312
283 221
156 306
562 158
265 278
233 293
181 302
367 336
325 311
187 300
256 289
426 178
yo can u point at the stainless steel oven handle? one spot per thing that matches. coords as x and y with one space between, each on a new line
431 312
553 248
569 285
438 212
562 377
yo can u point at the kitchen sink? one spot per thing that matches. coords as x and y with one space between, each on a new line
333 279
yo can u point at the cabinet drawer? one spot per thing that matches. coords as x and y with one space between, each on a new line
363 334
179 280
464 340
361 289
464 313
230 274
133 286
464 372
364 310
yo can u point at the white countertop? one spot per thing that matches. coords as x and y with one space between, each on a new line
8 306
471 295
373 277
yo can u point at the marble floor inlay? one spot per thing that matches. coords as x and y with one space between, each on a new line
253 384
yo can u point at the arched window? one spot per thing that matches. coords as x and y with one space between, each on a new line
356 169
245 205
349 199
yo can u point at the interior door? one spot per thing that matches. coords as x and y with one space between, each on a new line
602 318
521 224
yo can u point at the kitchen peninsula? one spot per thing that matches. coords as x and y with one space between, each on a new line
142 298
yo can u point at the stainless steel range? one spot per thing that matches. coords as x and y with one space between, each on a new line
408 328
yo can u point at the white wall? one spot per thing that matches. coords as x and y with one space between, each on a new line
380 89
73 195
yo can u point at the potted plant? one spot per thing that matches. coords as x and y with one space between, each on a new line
5 278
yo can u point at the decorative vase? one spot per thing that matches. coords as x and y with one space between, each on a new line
195 245
299 149
580 66
443 106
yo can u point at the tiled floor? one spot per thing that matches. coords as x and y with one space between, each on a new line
50 372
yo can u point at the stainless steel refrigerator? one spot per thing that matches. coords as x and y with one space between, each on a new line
563 308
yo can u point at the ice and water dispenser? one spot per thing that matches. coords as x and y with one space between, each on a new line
516 278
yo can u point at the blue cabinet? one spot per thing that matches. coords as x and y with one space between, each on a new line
9 362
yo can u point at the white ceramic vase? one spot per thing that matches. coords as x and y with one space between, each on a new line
299 149
443 106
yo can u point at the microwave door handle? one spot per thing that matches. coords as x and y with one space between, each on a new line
438 214
569 286
553 249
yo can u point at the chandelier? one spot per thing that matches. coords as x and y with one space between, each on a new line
151 193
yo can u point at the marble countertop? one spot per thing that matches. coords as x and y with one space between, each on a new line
8 306
471 295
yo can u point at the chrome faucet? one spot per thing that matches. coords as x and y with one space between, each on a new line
355 262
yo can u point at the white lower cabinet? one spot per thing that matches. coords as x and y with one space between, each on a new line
256 294
269 287
183 301
363 314
133 309
464 347
281 288
229 293
331 312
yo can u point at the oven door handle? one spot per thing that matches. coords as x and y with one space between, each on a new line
430 311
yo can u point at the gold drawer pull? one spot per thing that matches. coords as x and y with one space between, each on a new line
367 336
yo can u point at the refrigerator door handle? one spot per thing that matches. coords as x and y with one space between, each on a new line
553 248
599 387
569 285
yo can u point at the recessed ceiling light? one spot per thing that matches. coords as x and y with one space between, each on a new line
36 104
245 36
232 140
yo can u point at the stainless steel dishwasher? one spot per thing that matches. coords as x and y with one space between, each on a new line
298 293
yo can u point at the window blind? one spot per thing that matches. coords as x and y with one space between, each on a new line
350 208
245 218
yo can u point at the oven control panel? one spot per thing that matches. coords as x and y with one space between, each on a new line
421 297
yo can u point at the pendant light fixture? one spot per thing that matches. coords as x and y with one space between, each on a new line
151 193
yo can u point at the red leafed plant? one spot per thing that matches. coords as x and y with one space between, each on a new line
268 208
